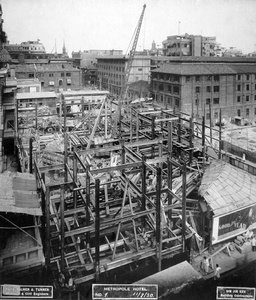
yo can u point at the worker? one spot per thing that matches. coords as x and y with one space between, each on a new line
217 272
78 242
62 279
253 243
205 265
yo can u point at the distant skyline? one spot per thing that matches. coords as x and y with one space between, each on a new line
110 24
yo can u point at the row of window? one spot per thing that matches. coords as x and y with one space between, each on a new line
247 87
52 83
111 75
216 78
246 76
208 101
247 112
113 68
68 74
38 74
247 98
216 89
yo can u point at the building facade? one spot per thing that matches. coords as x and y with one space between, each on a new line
53 77
111 71
190 45
200 89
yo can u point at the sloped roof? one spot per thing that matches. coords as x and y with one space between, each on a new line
172 279
140 85
207 59
243 68
227 188
194 69
44 68
18 194
4 55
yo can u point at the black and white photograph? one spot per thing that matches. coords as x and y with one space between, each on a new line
128 149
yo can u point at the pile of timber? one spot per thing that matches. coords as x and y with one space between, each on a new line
77 140
51 158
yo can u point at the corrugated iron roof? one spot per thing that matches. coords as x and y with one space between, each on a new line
226 188
18 194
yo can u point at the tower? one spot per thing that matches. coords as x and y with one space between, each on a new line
64 50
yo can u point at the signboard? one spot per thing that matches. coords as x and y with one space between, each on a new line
235 293
9 291
124 291
233 224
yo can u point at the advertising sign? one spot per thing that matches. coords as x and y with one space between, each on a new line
233 224
124 291
10 291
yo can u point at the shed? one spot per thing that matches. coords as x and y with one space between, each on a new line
230 194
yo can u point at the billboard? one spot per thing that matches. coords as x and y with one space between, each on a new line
233 224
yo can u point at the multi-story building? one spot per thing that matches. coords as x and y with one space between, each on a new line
27 47
232 52
53 77
190 45
111 71
4 59
87 61
200 88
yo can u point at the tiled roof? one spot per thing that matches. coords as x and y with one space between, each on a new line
244 68
204 59
194 69
226 188
18 194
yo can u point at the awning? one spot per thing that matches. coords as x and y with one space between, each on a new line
18 194
68 81
51 82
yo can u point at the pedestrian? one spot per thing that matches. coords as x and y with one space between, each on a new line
217 272
253 243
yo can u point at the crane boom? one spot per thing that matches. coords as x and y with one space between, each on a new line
128 69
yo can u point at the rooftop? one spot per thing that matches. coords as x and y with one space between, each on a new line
194 69
38 95
205 59
45 68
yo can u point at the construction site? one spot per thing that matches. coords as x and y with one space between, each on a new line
115 192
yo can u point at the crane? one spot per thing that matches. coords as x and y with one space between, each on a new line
124 88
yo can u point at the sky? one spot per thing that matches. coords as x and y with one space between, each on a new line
110 24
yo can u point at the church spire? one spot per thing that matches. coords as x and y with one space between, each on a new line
64 50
